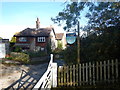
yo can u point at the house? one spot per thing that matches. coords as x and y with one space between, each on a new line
61 38
4 47
36 39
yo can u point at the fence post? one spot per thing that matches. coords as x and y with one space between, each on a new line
116 64
54 74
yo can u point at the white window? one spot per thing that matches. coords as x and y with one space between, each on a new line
41 39
22 39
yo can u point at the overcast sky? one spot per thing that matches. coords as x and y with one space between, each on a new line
16 16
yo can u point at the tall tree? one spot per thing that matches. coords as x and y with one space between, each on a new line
104 14
70 15
100 14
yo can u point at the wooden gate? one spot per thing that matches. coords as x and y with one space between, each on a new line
91 73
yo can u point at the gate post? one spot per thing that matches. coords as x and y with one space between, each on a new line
54 74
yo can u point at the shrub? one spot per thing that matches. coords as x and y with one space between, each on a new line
60 45
70 55
36 54
17 49
22 57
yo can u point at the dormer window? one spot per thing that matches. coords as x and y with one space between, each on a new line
41 39
23 39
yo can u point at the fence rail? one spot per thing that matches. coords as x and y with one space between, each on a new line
91 73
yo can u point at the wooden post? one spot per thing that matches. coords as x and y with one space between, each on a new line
68 76
83 74
108 69
86 73
77 73
54 74
64 75
78 44
116 64
100 70
90 76
97 72
74 75
93 74
71 75
113 71
80 74
105 71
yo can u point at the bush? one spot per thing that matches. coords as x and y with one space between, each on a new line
60 45
22 57
70 55
36 54
17 49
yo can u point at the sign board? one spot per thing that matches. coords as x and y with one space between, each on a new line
70 38
2 50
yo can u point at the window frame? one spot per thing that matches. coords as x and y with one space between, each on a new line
22 39
41 39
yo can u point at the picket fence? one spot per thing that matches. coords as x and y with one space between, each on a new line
91 73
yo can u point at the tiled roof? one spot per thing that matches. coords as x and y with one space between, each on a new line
33 32
59 36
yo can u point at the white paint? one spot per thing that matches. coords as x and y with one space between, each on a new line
54 74
2 50
49 78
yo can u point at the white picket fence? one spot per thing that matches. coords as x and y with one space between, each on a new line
49 78
90 73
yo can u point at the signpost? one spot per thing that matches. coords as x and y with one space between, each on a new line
71 37
78 44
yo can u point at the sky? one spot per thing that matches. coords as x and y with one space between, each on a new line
16 16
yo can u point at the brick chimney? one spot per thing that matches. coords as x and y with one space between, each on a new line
37 24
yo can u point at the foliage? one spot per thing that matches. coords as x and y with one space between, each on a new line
104 14
13 40
22 57
10 58
49 50
103 25
70 55
60 45
0 37
96 47
36 54
70 14
101 47
100 14
17 49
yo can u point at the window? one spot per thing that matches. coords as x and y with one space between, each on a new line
22 39
41 39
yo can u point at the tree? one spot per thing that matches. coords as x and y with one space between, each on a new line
104 14
70 15
100 15
13 40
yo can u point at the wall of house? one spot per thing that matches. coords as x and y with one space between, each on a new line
28 40
64 43
53 40
42 44
2 50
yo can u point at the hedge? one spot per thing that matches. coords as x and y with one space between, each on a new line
22 57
